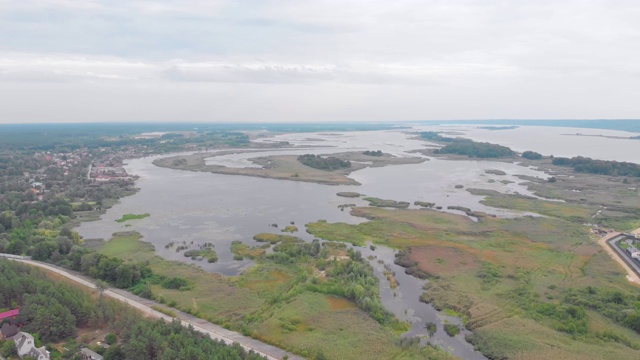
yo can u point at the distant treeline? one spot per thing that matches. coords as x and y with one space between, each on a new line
328 163
434 136
600 167
372 153
475 149
532 155
467 147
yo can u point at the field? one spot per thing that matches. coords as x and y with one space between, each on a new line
282 301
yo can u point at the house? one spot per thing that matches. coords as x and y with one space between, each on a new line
27 347
88 354
11 314
8 331
633 252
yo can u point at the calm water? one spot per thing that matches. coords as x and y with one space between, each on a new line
557 141
203 207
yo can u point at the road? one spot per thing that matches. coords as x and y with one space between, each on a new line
144 305
604 242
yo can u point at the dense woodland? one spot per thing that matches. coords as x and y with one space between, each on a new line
324 163
600 167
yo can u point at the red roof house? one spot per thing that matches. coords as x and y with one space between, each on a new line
9 314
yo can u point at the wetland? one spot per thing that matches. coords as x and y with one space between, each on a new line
533 242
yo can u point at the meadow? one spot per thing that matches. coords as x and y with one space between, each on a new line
295 298
532 287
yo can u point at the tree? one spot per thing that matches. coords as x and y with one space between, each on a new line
101 286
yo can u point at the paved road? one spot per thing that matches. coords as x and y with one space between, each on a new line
144 305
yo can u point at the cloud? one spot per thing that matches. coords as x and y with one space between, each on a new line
426 57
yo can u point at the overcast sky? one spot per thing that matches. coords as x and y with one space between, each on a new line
343 60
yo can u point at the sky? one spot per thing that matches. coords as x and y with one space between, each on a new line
297 60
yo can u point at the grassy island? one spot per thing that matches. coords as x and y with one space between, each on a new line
127 217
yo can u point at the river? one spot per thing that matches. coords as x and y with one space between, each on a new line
204 207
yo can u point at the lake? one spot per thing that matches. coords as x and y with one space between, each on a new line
196 208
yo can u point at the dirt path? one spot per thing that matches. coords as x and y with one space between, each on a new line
144 305
631 275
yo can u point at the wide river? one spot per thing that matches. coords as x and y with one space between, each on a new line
194 208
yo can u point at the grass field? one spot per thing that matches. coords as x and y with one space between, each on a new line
271 302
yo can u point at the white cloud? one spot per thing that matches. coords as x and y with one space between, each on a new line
360 59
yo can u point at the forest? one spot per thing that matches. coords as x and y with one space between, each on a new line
600 167
323 163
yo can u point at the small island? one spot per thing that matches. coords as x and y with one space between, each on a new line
127 217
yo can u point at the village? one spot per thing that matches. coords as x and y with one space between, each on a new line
25 344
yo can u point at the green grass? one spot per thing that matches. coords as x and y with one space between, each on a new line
270 301
374 201
206 253
275 238
451 330
557 209
127 217
290 229
241 250
128 246
528 264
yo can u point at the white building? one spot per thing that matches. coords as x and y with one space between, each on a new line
27 347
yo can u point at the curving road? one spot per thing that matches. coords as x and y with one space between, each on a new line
144 305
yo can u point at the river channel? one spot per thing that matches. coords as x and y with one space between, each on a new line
197 208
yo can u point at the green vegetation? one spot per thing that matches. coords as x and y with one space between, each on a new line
349 194
205 251
434 136
515 282
127 217
377 153
275 238
53 311
495 172
374 201
164 310
290 229
451 330
424 204
318 162
475 149
532 155
240 250
600 167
